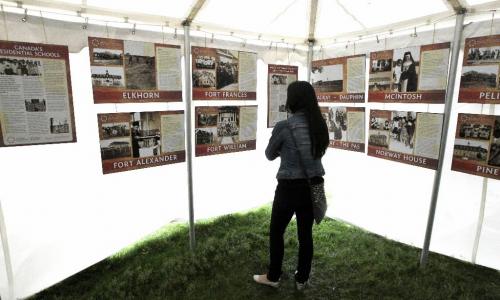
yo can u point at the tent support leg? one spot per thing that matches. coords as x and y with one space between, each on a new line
457 42
6 254
309 59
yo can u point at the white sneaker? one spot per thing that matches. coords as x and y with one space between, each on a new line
262 279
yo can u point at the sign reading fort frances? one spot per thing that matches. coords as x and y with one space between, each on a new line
416 74
477 145
133 71
36 103
404 136
346 127
140 140
220 74
340 79
479 83
225 129
278 79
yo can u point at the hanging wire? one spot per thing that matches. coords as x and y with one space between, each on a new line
163 34
5 24
107 30
492 20
434 34
354 47
43 27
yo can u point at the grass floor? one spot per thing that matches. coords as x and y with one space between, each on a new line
349 263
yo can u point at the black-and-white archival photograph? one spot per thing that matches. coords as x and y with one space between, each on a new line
111 77
204 79
20 67
402 131
227 69
279 79
115 148
107 57
206 136
405 69
380 82
58 126
204 62
207 120
483 55
479 77
145 133
471 150
494 159
328 78
379 132
337 123
381 65
140 65
228 124
115 130
475 131
35 105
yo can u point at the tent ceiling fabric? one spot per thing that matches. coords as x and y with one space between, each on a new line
278 19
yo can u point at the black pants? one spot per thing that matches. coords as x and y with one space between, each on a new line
291 196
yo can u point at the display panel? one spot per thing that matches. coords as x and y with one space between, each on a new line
278 79
134 72
346 127
340 79
36 102
221 74
138 140
225 129
404 136
416 74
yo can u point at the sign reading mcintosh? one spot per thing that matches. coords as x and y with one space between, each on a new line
134 72
404 136
225 129
480 71
139 140
477 145
416 74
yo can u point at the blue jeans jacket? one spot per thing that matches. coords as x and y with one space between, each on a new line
282 145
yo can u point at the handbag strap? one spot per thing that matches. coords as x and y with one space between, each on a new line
298 150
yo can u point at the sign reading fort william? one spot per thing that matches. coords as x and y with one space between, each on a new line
479 82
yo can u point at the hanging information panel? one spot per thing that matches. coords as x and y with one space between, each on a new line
409 137
477 145
278 79
140 140
340 79
346 127
225 129
221 74
134 72
416 74
479 82
36 103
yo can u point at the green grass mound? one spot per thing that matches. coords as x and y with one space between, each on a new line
349 263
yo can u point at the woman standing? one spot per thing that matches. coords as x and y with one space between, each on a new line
408 77
292 194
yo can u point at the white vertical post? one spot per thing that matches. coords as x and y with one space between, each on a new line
189 143
6 254
457 41
309 59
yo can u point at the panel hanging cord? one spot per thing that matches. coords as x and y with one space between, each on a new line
43 27
5 23
492 22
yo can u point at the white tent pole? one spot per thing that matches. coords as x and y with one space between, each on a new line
309 59
457 41
480 218
6 254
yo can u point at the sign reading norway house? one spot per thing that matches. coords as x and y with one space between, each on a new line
221 74
404 136
416 74
139 140
134 71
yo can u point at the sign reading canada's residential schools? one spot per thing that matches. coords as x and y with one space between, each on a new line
409 137
416 74
346 127
134 72
221 74
278 79
480 71
477 145
340 79
140 140
36 102
225 129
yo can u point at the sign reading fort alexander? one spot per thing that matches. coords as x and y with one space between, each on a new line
346 127
133 71
225 129
408 137
36 102
340 79
477 145
140 140
480 71
221 74
416 74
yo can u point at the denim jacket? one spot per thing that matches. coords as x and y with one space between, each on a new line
281 144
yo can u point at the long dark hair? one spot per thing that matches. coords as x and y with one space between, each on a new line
301 97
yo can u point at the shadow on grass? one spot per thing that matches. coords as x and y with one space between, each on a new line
349 263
